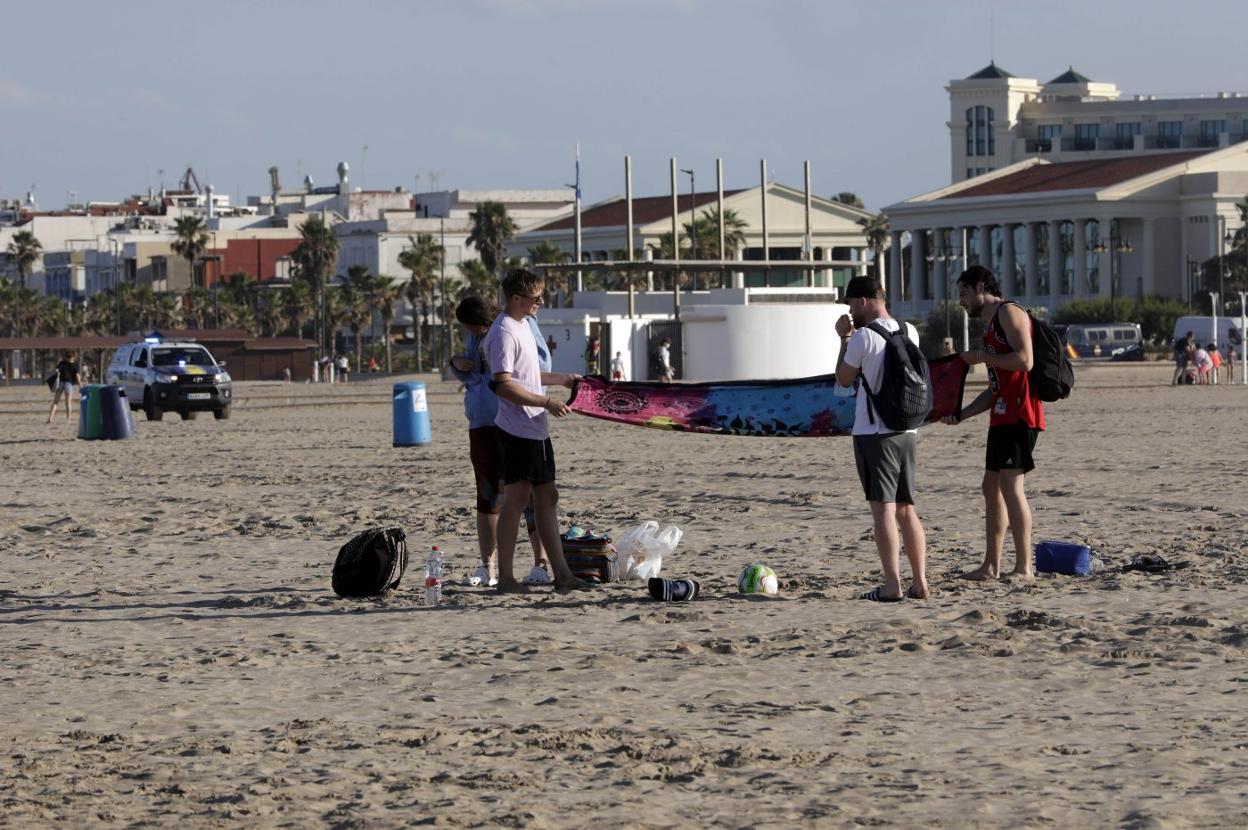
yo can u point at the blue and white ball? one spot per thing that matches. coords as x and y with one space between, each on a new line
758 579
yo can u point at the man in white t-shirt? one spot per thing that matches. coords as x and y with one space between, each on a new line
885 459
528 456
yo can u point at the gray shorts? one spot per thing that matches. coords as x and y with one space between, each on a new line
886 466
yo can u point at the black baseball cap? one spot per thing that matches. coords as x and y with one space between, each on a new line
866 287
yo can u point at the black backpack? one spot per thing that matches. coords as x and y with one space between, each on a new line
371 563
905 395
1051 375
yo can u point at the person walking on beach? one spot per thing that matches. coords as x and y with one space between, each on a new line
1182 353
528 455
1229 362
1016 418
485 444
68 378
343 367
666 372
885 458
617 367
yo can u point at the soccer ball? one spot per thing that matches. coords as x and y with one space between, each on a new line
758 579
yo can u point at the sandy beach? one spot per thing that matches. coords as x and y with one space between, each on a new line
173 655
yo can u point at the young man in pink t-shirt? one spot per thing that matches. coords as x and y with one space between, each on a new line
528 456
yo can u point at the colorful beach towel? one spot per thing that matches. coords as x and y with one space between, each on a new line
801 408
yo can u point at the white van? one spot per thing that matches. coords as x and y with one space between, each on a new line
1202 328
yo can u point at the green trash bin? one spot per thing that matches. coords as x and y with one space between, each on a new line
104 413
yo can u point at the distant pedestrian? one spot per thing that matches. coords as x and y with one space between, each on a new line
343 367
593 350
1182 354
68 378
1229 362
617 367
663 361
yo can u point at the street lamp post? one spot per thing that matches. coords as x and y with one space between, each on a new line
1114 245
693 228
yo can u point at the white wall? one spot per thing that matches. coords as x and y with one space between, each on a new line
761 341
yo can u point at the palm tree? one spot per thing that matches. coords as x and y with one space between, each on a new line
191 240
477 280
491 229
196 304
422 259
24 250
357 297
848 197
300 304
385 296
879 239
315 258
544 253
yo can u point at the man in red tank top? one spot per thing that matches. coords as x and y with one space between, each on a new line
1016 417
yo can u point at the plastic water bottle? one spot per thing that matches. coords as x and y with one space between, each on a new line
433 577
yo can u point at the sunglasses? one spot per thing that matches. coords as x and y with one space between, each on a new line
536 298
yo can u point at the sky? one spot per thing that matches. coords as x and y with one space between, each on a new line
108 99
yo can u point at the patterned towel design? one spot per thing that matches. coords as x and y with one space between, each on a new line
802 408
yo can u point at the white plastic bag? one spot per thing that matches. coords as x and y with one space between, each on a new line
641 549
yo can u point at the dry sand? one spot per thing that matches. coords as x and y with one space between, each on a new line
172 653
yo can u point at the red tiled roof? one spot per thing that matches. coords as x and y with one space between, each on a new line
1075 175
645 210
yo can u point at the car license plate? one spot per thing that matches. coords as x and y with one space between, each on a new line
198 396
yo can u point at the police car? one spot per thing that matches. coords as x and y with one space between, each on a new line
171 376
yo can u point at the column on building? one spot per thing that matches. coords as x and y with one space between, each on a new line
938 264
1055 264
1148 252
1009 261
1031 263
1105 228
894 274
918 266
985 246
860 254
1081 259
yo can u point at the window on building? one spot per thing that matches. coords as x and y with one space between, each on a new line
1209 131
1086 136
981 136
1045 135
1125 133
1169 133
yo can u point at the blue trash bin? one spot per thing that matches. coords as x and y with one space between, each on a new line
104 413
411 415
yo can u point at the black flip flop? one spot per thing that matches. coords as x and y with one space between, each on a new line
1153 564
673 590
874 595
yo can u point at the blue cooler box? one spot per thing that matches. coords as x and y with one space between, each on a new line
1063 558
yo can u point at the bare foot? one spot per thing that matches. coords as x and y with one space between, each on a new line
571 585
1019 577
917 591
981 574
511 587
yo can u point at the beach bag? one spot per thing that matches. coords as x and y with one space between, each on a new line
50 380
371 563
905 395
590 557
1063 558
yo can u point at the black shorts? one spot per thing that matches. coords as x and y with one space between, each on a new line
886 466
1010 447
527 459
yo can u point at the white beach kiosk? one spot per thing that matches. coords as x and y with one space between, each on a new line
722 334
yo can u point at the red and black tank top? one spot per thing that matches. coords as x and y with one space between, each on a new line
1013 400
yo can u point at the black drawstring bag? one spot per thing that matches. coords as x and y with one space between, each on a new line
371 563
